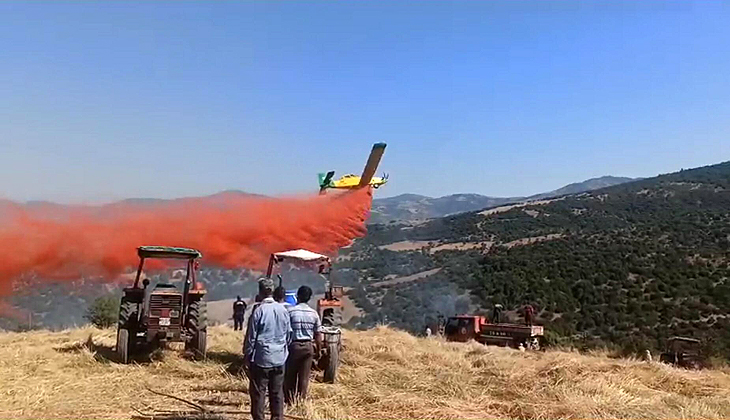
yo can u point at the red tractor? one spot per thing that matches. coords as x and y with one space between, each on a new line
463 328
329 307
163 314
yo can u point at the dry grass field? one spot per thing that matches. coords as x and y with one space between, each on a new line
386 374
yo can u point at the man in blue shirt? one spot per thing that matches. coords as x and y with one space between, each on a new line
265 352
306 341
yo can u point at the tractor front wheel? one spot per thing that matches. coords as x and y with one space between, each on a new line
199 345
197 323
123 345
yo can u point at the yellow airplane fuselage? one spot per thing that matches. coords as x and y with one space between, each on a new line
353 181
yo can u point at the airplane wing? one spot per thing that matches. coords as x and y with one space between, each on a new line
372 165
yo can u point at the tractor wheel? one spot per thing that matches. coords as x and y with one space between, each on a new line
333 362
124 345
667 358
200 345
197 324
126 330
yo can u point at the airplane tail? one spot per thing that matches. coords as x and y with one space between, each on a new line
324 180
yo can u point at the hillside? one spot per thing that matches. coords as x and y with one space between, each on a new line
628 265
385 374
413 207
587 185
407 207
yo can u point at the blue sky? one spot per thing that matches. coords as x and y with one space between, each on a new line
101 101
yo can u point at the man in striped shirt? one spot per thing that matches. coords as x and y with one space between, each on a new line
306 341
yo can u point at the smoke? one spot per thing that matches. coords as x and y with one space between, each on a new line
11 312
64 243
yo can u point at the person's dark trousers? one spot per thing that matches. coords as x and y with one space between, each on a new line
237 323
263 379
298 367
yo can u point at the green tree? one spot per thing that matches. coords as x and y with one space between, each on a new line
102 313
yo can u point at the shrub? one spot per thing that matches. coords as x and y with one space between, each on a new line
103 312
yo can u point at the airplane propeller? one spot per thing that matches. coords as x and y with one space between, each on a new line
384 178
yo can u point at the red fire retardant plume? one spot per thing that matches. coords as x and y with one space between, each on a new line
65 243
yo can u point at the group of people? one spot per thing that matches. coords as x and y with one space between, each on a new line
239 306
280 344
528 311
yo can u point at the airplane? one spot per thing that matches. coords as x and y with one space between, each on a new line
352 181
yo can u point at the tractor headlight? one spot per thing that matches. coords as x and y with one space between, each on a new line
174 314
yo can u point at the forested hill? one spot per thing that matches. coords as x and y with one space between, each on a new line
413 207
630 264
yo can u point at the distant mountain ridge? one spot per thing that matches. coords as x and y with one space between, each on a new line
404 207
587 185
135 201
411 207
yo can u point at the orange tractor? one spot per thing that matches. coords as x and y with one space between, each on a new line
463 328
329 307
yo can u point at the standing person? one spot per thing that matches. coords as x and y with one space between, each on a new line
265 353
306 341
529 314
497 313
239 308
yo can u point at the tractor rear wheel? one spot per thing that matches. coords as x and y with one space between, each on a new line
333 362
197 325
126 330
